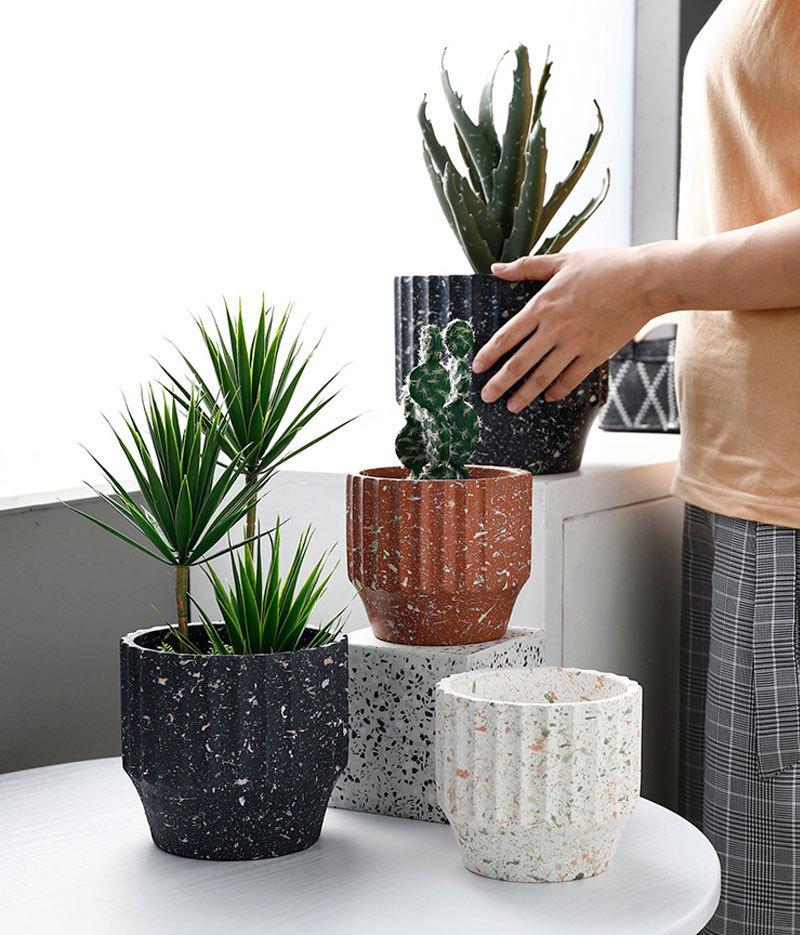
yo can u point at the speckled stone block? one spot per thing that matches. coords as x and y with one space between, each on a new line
233 757
390 770
538 771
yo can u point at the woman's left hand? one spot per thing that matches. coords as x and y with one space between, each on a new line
594 302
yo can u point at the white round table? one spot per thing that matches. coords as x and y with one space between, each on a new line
76 856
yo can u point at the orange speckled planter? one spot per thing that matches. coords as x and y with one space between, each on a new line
439 562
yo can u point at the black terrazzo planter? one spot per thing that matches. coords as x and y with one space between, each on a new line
545 438
233 757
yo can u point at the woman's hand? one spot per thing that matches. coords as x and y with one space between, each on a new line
594 301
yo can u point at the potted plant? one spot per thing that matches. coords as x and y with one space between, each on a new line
233 732
499 211
538 770
439 548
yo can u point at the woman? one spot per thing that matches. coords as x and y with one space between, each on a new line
738 379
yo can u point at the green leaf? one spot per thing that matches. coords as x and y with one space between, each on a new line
260 403
557 243
474 245
531 198
542 89
479 148
506 178
486 115
438 187
562 190
266 613
183 518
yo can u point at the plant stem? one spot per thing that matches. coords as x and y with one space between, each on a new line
182 597
250 478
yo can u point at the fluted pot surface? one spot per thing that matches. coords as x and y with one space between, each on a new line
538 770
233 757
439 562
544 438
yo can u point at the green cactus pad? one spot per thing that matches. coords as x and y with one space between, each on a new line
429 385
442 429
459 338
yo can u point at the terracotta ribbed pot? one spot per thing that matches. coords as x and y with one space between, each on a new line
439 562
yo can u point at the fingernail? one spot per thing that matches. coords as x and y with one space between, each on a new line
496 267
477 365
488 396
513 407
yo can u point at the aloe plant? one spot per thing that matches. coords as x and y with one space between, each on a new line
499 211
442 428
263 611
255 385
188 504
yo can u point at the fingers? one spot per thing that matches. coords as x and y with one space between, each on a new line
571 376
548 370
528 267
505 339
515 368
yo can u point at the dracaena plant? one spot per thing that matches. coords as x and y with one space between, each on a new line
500 211
188 503
442 428
264 611
256 386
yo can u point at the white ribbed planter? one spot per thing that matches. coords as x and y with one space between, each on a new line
538 770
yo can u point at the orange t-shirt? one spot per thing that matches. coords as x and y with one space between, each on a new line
738 372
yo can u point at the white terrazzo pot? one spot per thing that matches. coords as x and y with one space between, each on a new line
538 770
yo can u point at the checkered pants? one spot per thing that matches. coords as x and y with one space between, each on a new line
740 715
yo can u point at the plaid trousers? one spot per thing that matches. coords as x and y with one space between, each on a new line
740 715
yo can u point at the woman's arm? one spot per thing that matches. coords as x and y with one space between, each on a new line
596 300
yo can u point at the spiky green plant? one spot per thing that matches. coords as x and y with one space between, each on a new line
188 505
263 611
442 428
256 385
500 211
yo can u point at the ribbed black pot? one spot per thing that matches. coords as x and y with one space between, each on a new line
545 438
233 757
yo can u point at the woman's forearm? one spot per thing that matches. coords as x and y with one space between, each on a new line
749 268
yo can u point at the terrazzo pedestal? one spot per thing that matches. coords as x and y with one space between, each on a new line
391 767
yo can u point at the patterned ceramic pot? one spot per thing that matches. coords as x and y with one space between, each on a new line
545 438
233 757
538 770
439 562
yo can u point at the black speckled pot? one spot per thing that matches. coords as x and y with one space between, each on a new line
233 757
545 438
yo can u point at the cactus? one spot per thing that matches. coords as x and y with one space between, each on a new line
442 428
498 211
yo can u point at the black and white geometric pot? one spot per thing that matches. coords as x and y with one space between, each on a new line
545 438
233 757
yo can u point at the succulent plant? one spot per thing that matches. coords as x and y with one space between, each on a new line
442 429
499 212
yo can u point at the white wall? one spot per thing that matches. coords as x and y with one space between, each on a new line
158 155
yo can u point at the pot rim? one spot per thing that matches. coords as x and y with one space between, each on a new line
509 282
130 640
629 687
398 474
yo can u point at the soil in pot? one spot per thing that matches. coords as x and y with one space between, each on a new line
233 757
545 438
439 562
